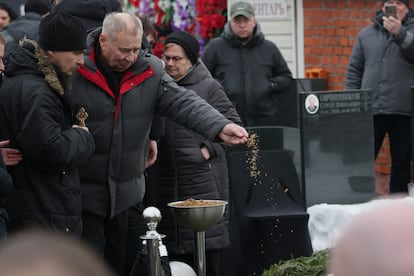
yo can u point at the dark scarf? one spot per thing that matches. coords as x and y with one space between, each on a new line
113 78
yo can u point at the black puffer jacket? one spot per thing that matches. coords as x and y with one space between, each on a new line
5 187
184 173
251 74
36 117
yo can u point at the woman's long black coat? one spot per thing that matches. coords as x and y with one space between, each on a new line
184 173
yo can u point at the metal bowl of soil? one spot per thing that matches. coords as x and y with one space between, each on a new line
198 215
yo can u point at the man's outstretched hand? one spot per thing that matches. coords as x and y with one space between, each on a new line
234 134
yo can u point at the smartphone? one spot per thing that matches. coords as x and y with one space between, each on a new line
391 10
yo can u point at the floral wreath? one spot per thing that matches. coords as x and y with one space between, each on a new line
205 19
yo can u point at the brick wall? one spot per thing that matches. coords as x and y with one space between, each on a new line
331 27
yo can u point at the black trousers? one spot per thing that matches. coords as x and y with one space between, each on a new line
108 237
398 128
136 228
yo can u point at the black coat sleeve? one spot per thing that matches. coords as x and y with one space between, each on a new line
5 181
45 142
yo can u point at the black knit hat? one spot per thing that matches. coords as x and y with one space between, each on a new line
188 42
406 2
61 32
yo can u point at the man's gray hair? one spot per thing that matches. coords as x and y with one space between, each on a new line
116 22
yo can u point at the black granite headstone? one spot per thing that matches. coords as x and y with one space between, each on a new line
288 100
338 146
268 220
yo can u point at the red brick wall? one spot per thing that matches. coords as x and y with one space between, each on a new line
331 27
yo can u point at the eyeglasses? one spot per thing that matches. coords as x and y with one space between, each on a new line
174 59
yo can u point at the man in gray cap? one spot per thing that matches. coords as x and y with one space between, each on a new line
251 68
36 119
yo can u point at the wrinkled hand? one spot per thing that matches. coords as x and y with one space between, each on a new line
392 24
152 154
205 153
10 156
82 127
234 134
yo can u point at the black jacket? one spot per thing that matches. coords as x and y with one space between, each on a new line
36 117
251 74
385 64
6 185
184 173
113 180
90 12
23 26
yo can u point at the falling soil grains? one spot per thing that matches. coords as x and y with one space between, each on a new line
253 155
254 167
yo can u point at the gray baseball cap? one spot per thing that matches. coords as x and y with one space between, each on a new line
241 8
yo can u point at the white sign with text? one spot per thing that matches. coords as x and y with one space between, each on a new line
269 8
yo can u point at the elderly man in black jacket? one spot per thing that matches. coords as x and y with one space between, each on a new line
122 91
37 119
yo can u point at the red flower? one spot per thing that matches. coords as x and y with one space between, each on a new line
211 16
134 3
218 21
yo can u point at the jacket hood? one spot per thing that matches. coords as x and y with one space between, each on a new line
30 59
198 73
21 60
92 39
26 25
232 39
90 12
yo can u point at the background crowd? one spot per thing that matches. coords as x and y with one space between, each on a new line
94 126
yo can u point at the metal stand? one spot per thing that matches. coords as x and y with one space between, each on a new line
153 242
199 218
200 252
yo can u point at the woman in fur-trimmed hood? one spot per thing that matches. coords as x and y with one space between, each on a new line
36 118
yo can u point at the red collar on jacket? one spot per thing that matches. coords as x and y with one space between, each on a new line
129 80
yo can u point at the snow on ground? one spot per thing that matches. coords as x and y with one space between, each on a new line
327 221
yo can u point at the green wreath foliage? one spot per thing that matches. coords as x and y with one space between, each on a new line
314 265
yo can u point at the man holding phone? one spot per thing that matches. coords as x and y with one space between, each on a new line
382 60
